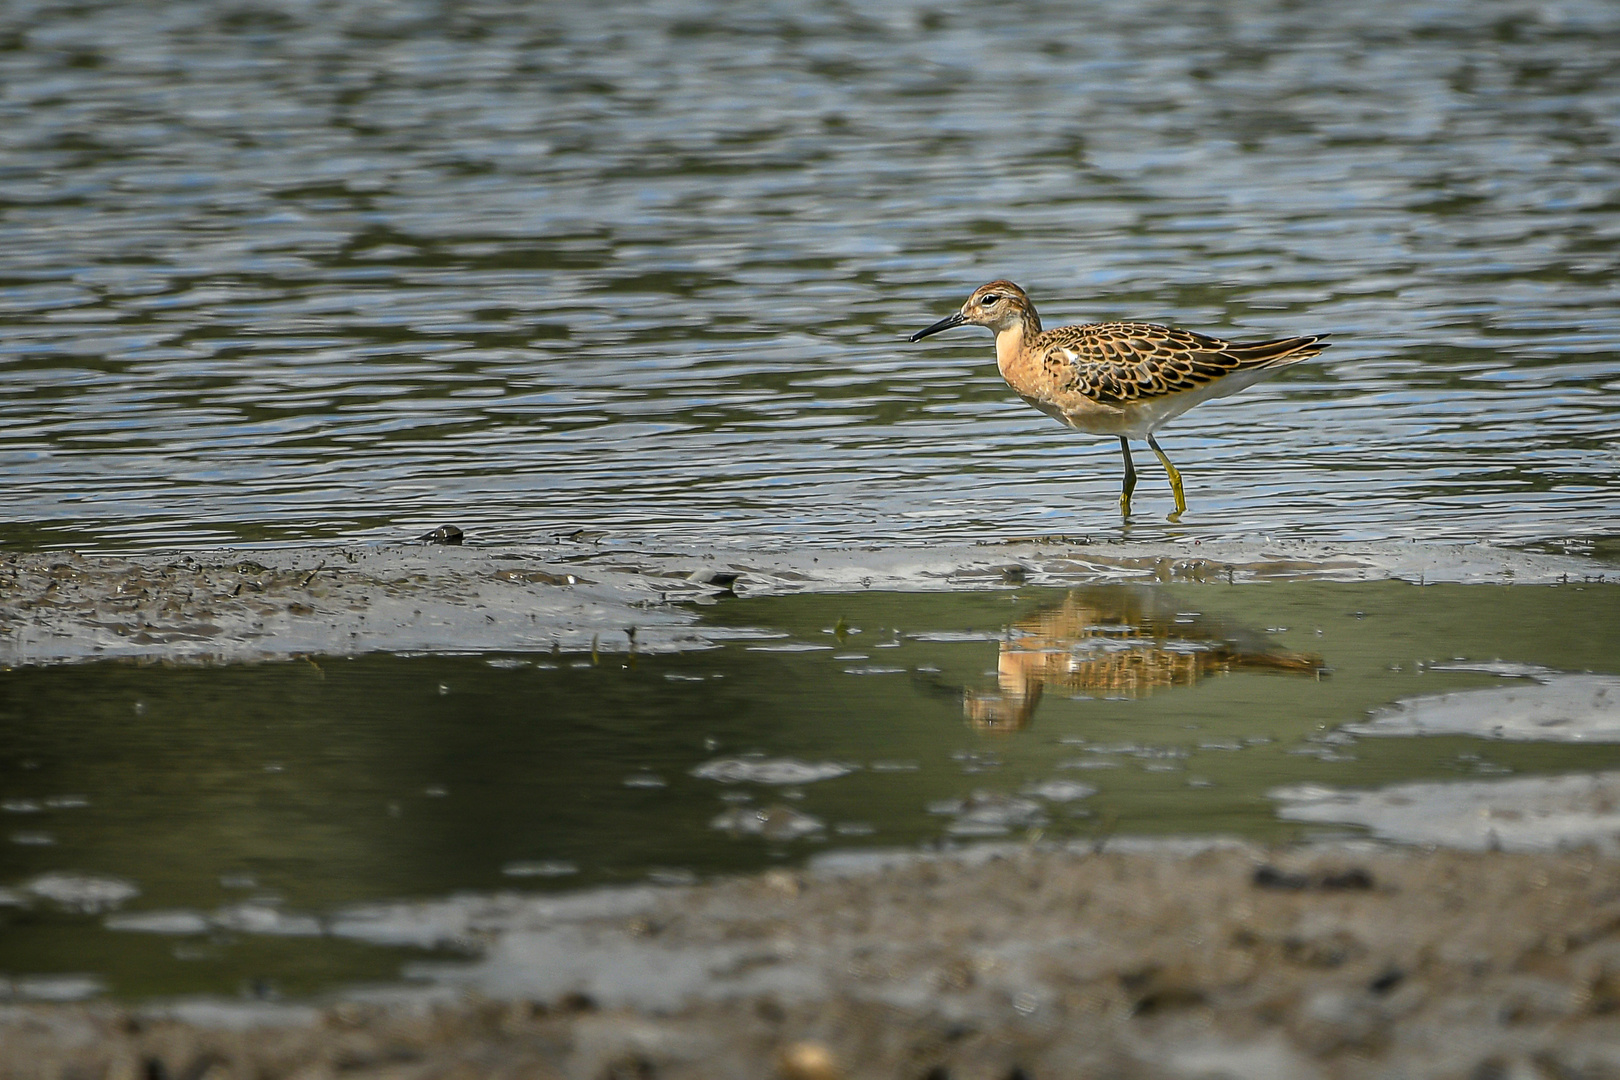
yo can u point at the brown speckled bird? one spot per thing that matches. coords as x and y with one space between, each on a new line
1124 379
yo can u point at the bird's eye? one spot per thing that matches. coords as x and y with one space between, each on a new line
987 300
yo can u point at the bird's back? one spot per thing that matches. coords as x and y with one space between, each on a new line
1126 377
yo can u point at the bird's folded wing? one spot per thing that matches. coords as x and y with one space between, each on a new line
1120 362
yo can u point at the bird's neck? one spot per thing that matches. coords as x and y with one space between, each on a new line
1010 343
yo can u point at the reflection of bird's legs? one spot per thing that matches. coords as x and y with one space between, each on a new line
1130 477
1175 478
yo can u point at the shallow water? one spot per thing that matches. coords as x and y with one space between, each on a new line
349 271
227 816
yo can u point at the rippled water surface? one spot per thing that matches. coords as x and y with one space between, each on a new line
316 271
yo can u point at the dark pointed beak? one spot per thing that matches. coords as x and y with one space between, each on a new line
944 324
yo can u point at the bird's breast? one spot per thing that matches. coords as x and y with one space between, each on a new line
1045 379
1034 375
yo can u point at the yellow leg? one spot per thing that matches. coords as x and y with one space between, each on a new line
1175 478
1130 479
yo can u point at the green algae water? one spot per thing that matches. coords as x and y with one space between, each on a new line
202 829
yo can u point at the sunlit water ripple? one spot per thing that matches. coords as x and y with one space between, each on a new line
345 271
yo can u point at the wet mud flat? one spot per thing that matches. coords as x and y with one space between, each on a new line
997 962
1040 958
246 604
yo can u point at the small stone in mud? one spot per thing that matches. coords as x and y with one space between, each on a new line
1271 877
1387 980
1353 878
1155 989
723 580
444 534
808 1061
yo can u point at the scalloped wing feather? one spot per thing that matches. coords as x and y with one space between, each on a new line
1116 363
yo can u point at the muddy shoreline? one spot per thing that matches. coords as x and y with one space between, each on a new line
1225 960
245 604
1021 960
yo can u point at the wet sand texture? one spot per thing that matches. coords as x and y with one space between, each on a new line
1230 961
246 605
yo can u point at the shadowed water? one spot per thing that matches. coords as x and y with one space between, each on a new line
313 271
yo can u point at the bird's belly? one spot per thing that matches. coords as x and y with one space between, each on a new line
1037 386
1083 414
1135 419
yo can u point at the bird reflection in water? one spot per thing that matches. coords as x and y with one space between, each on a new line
1117 641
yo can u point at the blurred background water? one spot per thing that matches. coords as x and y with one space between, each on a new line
325 270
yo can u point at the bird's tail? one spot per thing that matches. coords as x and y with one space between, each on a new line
1276 353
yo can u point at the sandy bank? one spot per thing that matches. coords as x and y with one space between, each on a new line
998 963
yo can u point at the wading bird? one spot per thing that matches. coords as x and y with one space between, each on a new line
1122 378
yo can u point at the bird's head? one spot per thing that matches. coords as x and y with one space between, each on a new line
1000 305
